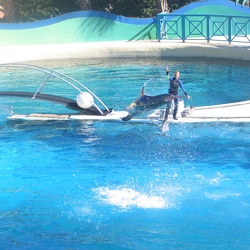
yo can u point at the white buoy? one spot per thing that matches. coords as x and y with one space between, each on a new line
85 100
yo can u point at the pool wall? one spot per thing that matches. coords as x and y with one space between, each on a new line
96 26
77 27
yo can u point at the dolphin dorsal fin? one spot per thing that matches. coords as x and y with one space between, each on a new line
142 93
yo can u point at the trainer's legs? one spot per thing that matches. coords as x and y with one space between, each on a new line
176 103
168 107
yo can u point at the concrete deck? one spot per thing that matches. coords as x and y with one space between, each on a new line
122 49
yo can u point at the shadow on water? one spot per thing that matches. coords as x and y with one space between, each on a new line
184 143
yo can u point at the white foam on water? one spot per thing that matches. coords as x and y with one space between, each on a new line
126 197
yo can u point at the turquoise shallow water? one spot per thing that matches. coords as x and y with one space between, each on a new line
114 185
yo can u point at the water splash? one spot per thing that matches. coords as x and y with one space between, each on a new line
127 197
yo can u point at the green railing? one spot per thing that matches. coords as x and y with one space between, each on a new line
203 27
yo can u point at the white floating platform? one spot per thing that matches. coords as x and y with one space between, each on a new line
115 115
232 112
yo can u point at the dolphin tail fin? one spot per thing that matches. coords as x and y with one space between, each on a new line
165 127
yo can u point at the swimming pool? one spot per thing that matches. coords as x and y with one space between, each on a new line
117 185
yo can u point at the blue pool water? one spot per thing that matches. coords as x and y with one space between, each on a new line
117 185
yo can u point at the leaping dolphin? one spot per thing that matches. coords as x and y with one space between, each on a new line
145 103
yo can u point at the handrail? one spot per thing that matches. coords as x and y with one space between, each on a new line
203 27
42 84
9 108
50 72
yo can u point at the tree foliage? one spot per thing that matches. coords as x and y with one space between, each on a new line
175 5
34 10
129 8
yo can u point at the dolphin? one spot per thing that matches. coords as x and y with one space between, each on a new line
146 103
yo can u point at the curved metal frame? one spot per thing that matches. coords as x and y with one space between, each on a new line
49 73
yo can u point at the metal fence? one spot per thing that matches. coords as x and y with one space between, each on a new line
203 27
